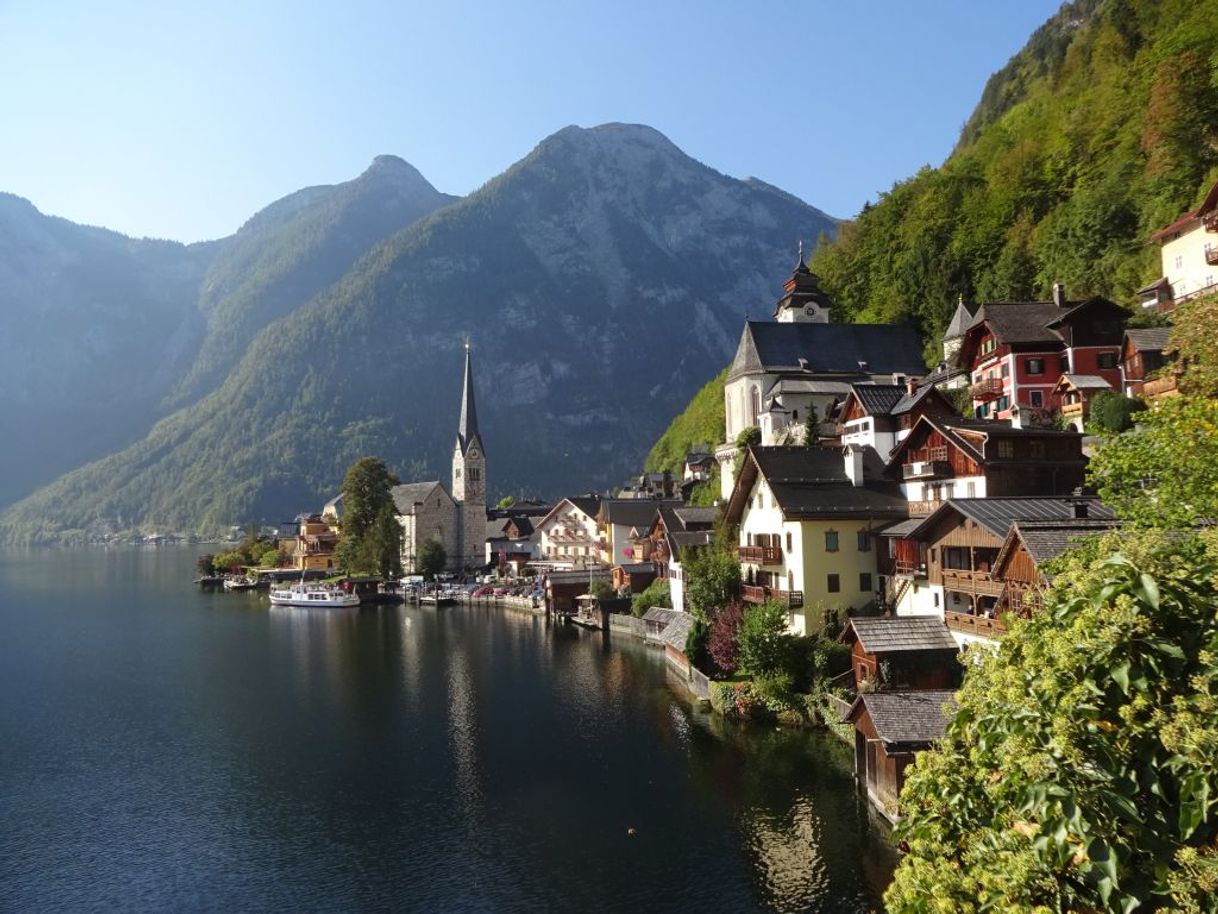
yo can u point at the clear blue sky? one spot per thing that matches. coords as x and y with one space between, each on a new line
180 120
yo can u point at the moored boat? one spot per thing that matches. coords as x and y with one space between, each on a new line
322 596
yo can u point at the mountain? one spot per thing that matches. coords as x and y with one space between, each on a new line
294 249
601 279
110 333
97 327
1101 130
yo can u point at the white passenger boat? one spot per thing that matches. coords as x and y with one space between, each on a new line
320 595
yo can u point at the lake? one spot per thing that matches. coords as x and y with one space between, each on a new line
163 749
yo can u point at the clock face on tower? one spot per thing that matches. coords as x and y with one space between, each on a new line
473 453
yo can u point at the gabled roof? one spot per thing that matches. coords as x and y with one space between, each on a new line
1149 339
588 505
638 568
811 482
692 517
1083 382
1019 322
336 503
661 614
632 512
678 542
996 514
1046 540
405 496
835 349
906 718
879 635
969 435
961 319
877 399
1207 205
524 526
677 631
923 392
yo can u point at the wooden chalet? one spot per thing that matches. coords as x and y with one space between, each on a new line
1016 351
1073 394
1144 352
955 574
890 728
635 575
905 652
1029 545
880 415
970 458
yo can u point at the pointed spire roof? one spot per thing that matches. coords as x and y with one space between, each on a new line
467 428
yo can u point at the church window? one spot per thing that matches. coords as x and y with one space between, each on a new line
754 405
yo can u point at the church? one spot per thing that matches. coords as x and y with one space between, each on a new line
427 510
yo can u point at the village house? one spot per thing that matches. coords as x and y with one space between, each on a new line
880 416
1073 394
1016 352
1143 352
968 458
313 548
945 565
901 653
890 729
620 522
699 464
807 520
511 541
1189 252
427 511
674 531
568 534
1029 545
798 365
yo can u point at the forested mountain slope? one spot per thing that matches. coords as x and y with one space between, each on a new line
1101 130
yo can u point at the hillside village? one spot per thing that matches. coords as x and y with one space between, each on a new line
914 511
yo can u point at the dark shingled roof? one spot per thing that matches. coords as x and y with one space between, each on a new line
904 528
812 482
1046 541
997 514
638 568
831 348
1149 339
679 541
906 718
908 401
960 321
589 504
900 633
695 518
634 512
1020 322
661 614
878 399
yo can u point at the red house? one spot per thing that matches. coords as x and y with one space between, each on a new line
1015 352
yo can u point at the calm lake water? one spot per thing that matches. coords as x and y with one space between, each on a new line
163 749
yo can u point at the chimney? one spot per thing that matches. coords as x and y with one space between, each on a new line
911 387
1059 294
853 455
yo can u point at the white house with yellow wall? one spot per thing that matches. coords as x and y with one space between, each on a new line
1189 251
807 519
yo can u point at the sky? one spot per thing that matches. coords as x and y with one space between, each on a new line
181 120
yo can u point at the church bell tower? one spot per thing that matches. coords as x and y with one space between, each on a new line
469 478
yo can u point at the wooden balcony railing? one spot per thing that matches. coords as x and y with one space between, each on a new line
926 469
978 582
761 555
989 389
1160 387
923 508
758 594
974 625
911 568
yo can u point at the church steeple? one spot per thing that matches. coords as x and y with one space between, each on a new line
804 301
467 428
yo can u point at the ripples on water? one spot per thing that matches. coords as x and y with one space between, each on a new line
162 749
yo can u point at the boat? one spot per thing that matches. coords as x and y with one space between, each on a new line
233 582
437 597
323 596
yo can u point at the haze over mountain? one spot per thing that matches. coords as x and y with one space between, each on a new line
600 280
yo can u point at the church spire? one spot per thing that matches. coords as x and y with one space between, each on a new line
467 429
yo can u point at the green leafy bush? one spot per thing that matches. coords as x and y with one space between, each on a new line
765 644
1113 412
657 593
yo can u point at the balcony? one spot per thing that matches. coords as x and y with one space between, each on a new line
923 508
1160 387
974 625
989 389
793 599
977 582
914 569
761 555
926 469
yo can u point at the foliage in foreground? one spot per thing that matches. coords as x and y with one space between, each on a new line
1081 771
657 593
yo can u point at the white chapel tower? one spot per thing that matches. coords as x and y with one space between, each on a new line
469 479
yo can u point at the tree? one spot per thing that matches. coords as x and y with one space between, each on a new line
723 642
712 581
431 558
1166 473
657 593
765 640
811 427
206 565
371 536
1194 336
507 501
1113 412
1079 772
